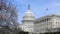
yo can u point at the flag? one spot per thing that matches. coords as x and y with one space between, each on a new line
46 9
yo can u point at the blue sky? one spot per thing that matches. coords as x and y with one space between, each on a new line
38 7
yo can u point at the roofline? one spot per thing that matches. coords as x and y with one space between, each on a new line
47 16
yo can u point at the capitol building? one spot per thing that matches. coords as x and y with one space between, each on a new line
48 23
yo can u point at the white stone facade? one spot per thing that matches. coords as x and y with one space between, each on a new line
47 24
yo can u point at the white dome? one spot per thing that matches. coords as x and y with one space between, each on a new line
28 14
27 22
